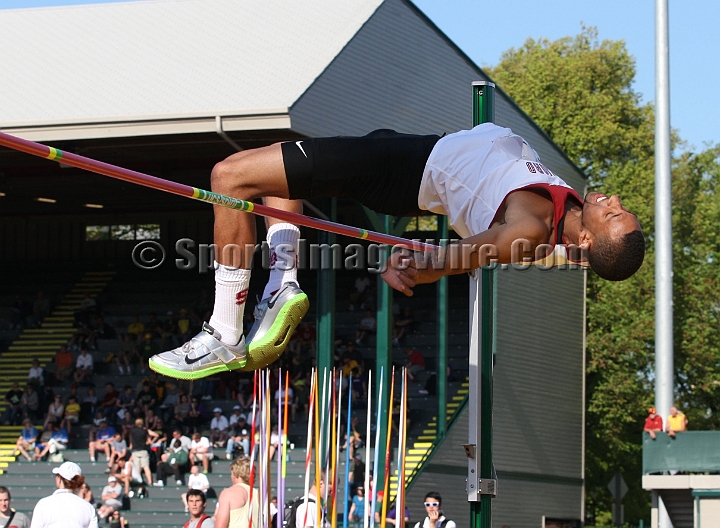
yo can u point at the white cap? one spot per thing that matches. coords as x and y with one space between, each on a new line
217 409
112 479
68 470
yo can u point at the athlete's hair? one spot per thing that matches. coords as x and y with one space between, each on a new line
197 493
240 468
434 495
4 490
617 260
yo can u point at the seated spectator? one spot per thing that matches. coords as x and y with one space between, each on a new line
83 366
169 331
112 495
125 353
18 313
676 422
196 414
175 461
128 475
146 398
136 329
109 405
63 364
196 481
57 442
36 376
28 438
30 402
359 296
116 520
390 517
153 326
89 408
237 416
41 306
72 414
126 402
102 330
184 328
368 325
103 439
85 493
167 408
415 364
13 399
88 305
404 325
182 408
118 451
55 412
219 426
200 451
239 441
653 423
359 385
147 349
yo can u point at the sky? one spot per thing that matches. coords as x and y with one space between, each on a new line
484 29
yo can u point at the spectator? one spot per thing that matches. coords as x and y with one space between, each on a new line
415 364
116 520
128 475
126 402
349 364
200 450
89 407
109 403
30 402
8 516
357 508
183 324
88 304
196 502
175 460
18 312
167 409
27 439
182 408
239 437
308 512
56 411
136 328
306 336
36 376
83 366
57 443
196 481
219 427
124 354
153 326
13 402
676 422
196 413
118 451
139 439
356 477
147 348
41 306
102 441
404 325
111 498
102 330
86 494
72 414
234 507
169 330
653 423
435 517
360 295
392 514
147 398
368 325
63 364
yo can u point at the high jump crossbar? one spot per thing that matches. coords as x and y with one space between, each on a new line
138 178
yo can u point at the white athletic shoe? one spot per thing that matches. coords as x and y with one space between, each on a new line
202 356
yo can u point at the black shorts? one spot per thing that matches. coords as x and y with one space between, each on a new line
382 170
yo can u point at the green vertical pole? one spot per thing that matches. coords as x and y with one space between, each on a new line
383 358
326 300
442 342
481 510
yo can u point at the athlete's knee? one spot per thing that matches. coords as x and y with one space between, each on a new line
231 175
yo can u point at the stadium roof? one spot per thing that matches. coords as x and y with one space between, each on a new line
139 68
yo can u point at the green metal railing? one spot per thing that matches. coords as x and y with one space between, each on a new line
690 451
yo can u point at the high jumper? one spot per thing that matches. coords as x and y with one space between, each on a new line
488 181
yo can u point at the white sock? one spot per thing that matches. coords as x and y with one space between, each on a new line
283 262
231 287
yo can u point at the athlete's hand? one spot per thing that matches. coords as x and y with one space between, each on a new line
400 271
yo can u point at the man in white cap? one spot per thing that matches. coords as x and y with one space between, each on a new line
219 428
64 509
111 497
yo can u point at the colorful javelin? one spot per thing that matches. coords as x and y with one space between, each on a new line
113 171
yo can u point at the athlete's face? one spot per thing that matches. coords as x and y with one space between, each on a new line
606 216
4 503
195 505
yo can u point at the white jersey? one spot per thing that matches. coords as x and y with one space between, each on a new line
469 174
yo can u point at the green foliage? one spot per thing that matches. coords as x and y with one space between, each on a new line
579 91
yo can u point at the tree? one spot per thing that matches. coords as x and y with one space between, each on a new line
579 91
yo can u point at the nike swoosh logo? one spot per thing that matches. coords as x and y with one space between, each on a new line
298 143
191 361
